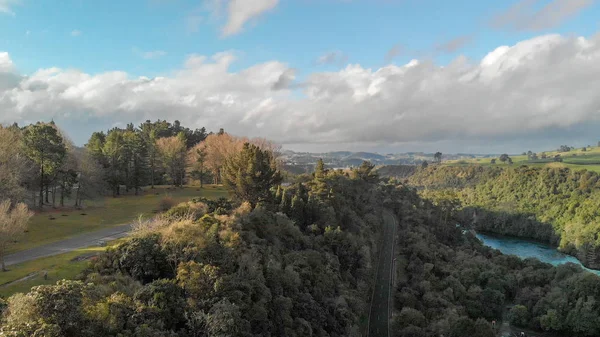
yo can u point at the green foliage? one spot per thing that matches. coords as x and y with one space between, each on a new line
44 146
555 205
251 174
143 259
518 315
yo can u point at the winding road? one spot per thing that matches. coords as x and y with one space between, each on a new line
70 244
381 299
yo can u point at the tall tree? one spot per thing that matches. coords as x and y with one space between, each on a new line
13 222
172 152
45 147
218 148
136 156
90 177
251 173
438 157
197 162
13 165
113 151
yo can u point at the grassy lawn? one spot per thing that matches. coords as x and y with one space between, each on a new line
21 277
104 213
576 160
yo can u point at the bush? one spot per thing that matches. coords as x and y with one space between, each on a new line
518 315
166 203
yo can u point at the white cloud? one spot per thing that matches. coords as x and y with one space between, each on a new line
543 86
332 57
76 33
525 15
6 64
239 12
6 5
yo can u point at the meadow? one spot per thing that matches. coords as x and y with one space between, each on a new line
102 213
54 225
574 159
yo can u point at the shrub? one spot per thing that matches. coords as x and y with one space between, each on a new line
518 315
166 203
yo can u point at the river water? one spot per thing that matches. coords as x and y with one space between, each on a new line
525 249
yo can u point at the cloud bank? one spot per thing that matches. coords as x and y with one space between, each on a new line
523 16
540 86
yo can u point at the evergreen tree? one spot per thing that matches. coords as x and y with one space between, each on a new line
46 148
251 173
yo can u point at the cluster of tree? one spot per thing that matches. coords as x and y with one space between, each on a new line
555 205
294 261
39 162
565 148
153 153
448 284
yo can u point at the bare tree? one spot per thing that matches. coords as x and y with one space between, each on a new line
13 222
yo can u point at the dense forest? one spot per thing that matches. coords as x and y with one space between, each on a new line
297 261
452 285
554 205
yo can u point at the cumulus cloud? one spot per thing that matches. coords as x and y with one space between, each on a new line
547 85
239 12
332 57
76 33
6 5
525 15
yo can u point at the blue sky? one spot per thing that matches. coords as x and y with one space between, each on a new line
285 39
296 32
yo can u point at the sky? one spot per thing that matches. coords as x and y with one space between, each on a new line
386 76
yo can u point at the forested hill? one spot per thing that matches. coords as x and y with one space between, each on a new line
277 261
556 205
300 264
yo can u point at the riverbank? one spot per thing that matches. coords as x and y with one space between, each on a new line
524 248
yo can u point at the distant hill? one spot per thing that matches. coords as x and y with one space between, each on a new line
304 162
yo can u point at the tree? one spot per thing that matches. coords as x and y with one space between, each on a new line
365 172
136 160
45 147
584 149
90 177
13 222
197 162
518 315
172 152
113 151
493 161
438 157
424 164
251 173
504 158
13 165
218 148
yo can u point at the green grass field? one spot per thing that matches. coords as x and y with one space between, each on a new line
103 213
21 277
576 160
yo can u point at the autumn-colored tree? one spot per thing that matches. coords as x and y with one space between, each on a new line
13 222
219 147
